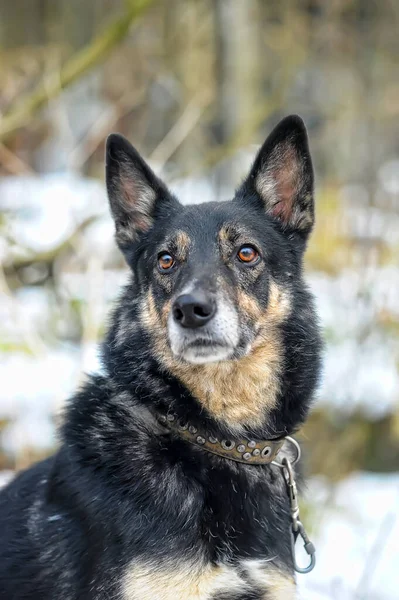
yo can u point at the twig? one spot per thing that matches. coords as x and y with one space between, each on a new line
180 130
11 265
56 103
76 66
100 129
31 337
12 163
238 140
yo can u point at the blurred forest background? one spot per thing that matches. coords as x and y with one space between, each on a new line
196 85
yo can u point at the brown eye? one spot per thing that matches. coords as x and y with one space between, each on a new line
165 261
248 254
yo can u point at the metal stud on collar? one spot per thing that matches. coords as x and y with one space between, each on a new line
247 451
228 444
264 452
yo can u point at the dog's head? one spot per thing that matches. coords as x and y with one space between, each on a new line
214 282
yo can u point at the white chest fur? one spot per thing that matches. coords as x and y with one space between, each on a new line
150 581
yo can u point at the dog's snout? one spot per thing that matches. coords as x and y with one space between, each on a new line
193 310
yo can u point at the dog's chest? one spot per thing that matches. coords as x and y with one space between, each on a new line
252 579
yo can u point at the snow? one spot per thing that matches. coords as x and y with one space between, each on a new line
356 538
360 354
44 211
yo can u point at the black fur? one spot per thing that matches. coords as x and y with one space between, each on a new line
121 488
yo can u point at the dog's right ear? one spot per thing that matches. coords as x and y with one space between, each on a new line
135 193
281 180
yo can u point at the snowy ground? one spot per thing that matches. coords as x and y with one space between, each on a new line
42 213
52 374
357 539
355 518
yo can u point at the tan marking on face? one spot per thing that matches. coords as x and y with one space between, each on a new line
240 391
243 391
248 305
155 324
226 243
148 313
149 316
224 234
279 304
237 392
182 242
167 307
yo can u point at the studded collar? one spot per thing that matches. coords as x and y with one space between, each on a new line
247 451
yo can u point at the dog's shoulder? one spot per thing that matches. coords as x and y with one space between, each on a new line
23 531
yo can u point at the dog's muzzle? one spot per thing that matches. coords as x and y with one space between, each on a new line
203 327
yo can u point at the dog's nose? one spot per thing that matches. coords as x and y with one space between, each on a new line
193 310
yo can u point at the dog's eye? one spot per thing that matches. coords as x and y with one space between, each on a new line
248 254
165 261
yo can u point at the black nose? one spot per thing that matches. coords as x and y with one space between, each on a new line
193 310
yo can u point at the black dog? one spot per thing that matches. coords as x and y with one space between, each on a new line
156 491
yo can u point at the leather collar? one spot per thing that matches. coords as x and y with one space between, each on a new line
246 451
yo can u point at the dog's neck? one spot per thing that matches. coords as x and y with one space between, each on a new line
223 404
240 392
248 396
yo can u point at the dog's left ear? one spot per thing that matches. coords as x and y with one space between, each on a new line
282 177
136 195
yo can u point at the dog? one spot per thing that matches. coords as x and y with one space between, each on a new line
158 490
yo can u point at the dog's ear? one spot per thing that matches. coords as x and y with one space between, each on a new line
282 177
135 193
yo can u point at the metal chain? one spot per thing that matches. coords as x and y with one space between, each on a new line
297 528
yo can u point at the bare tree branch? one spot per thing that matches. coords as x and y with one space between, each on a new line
77 65
180 130
13 163
101 128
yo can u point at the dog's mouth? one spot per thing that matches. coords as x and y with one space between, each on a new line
204 350
205 343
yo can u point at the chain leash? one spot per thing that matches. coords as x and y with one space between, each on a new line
297 528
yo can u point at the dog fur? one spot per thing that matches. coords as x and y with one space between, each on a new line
127 510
